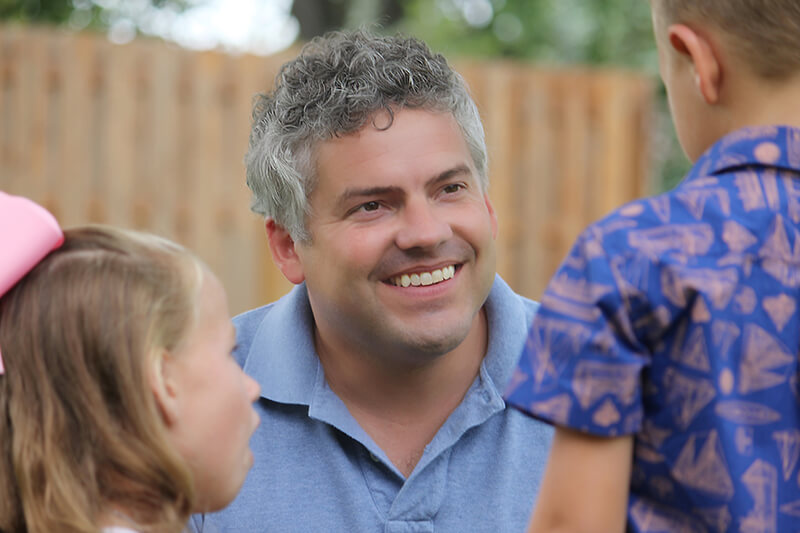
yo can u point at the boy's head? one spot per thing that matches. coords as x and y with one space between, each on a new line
764 34
726 64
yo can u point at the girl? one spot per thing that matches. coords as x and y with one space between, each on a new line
121 409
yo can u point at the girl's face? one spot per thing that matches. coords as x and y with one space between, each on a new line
214 416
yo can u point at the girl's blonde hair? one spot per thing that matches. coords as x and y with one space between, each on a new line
80 429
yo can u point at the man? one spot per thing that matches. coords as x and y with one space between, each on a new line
381 372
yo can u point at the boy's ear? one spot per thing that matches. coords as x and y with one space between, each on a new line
284 253
163 387
704 59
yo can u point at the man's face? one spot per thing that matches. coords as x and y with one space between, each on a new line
402 253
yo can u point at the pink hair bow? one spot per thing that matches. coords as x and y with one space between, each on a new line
28 232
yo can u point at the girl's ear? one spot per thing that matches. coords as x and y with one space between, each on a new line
703 57
164 388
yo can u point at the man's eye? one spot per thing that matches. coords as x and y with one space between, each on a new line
453 187
370 206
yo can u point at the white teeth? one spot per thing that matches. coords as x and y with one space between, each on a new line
425 278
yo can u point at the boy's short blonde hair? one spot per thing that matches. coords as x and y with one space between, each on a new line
763 33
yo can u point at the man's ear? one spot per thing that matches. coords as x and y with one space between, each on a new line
284 253
703 57
163 387
492 215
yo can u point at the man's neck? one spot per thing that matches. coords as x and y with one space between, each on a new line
402 406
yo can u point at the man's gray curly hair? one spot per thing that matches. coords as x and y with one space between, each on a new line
337 84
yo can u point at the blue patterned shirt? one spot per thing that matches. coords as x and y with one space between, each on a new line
676 319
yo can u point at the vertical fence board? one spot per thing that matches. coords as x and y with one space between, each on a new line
203 184
164 128
244 248
74 178
536 181
576 139
501 137
10 58
30 105
119 122
144 191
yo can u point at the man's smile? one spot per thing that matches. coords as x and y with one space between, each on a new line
416 279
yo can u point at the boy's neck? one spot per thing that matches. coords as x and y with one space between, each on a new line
758 102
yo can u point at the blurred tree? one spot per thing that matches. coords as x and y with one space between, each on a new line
318 16
563 31
95 14
36 10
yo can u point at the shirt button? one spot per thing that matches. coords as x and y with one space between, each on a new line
373 457
486 396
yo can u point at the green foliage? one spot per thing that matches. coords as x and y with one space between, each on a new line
551 31
80 14
52 11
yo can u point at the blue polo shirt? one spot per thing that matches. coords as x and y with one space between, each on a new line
317 470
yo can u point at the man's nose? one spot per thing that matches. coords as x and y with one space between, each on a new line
423 226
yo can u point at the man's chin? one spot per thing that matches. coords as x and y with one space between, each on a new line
429 345
436 347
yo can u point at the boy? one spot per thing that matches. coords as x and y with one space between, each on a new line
666 347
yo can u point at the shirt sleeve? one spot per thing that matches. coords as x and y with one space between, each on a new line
582 363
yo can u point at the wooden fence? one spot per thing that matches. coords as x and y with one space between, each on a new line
150 136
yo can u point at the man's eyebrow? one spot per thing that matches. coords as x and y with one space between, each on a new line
450 173
356 192
366 191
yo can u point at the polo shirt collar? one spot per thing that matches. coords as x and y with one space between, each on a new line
508 324
282 357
